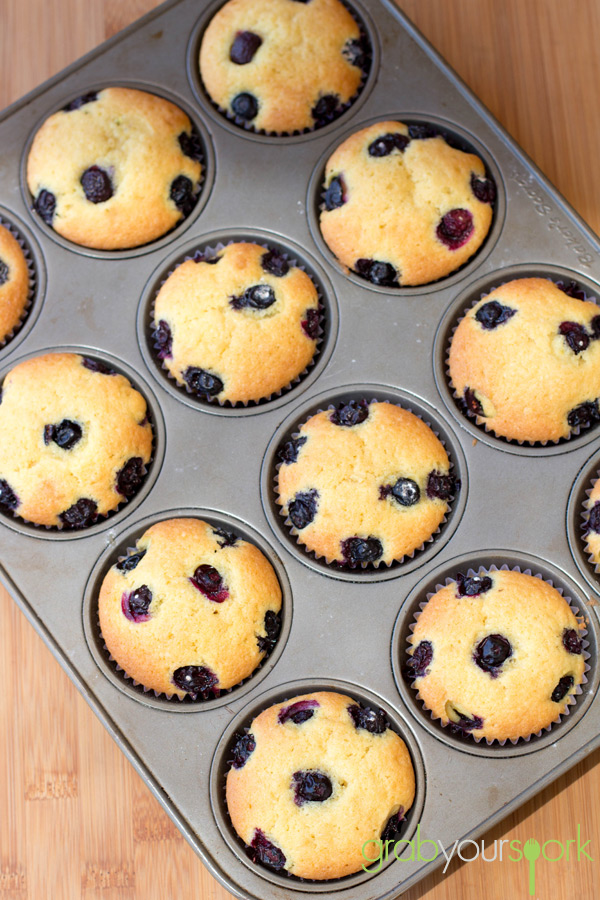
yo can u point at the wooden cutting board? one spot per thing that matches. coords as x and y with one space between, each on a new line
75 819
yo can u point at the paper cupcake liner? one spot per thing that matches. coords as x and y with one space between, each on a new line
33 281
174 697
210 251
344 107
571 699
366 566
585 515
479 420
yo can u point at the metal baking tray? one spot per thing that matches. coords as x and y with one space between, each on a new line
341 629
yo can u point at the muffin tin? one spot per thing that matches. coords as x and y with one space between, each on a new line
518 505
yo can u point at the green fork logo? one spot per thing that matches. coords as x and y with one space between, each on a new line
531 852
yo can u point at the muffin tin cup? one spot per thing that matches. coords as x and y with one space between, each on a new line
467 141
205 182
151 469
36 283
238 126
578 509
282 525
447 328
483 563
241 722
146 318
119 548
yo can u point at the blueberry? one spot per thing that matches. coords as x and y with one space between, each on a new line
441 487
595 327
352 413
375 722
335 195
196 681
387 143
575 335
394 824
473 585
593 523
421 659
136 604
357 550
406 492
97 184
562 688
310 325
275 263
128 563
483 188
66 434
81 101
421 132
472 404
244 46
241 750
326 109
455 228
4 272
8 498
492 652
228 538
377 272
203 383
201 257
572 289
80 515
465 724
182 194
163 339
130 477
572 641
94 365
311 787
209 582
289 452
258 296
272 627
492 314
245 106
584 415
264 852
45 205
358 53
190 145
303 508
298 712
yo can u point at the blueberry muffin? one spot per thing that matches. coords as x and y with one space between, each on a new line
497 655
313 779
115 169
238 326
592 526
364 483
525 360
283 65
14 284
191 611
403 207
74 440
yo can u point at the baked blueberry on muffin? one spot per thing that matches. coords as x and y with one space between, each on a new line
74 440
525 360
191 611
238 326
115 169
364 483
283 65
14 284
318 771
401 206
497 655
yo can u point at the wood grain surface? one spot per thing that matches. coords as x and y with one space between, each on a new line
75 819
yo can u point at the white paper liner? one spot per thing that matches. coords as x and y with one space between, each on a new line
12 229
479 420
112 512
193 703
571 698
366 566
210 252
